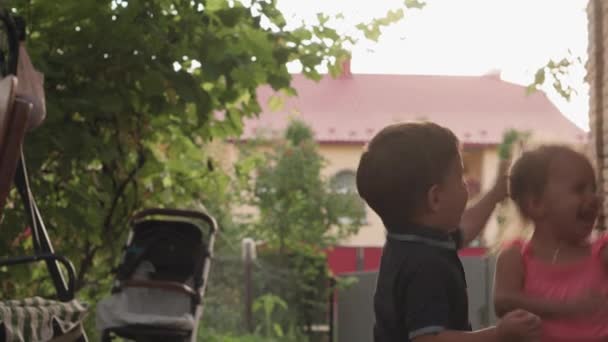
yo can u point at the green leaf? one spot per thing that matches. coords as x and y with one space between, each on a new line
276 102
279 81
322 18
539 77
153 84
215 5
531 89
509 139
414 4
230 17
394 16
302 34
278 330
111 103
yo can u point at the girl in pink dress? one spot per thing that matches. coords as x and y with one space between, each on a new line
561 273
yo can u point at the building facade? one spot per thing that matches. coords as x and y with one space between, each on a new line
346 112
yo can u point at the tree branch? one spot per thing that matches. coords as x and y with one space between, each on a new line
85 264
120 192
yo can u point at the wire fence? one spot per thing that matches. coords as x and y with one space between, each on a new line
228 310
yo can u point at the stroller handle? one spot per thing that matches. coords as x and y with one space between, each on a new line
177 213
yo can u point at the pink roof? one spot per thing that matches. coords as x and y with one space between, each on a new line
353 108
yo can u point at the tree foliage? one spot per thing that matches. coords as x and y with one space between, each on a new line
136 91
296 204
300 215
557 73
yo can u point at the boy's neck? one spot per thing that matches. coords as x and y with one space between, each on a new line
432 221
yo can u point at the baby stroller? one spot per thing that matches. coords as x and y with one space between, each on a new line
161 280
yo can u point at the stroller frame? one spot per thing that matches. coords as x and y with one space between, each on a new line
196 295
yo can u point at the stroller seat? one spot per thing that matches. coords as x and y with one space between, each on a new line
146 306
161 279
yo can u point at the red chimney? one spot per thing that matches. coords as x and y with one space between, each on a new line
494 73
346 73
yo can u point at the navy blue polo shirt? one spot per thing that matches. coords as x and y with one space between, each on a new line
421 287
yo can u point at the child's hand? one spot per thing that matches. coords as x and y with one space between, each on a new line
500 188
519 325
589 303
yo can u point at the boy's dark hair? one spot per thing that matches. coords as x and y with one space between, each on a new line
401 163
528 176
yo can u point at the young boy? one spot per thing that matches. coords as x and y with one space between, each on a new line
411 175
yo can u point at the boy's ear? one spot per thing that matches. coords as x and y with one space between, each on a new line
433 198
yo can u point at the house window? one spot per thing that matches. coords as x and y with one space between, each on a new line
344 186
344 182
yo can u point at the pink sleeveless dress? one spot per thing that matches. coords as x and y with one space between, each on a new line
567 281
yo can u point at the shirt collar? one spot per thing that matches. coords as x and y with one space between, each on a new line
418 233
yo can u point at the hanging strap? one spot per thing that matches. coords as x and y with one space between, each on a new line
42 242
